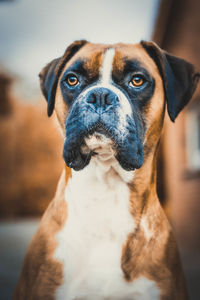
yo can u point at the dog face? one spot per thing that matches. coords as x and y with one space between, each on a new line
113 97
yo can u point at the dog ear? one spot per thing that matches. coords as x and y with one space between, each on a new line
50 74
47 78
179 78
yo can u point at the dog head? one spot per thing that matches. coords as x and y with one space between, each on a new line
110 99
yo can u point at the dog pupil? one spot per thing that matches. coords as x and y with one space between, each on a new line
72 80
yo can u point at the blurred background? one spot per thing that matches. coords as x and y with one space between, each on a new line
32 33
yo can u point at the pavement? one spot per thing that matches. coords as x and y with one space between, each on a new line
16 235
14 239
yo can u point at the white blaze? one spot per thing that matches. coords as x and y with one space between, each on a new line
106 69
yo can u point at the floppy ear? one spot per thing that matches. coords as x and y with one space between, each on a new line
179 78
47 78
50 74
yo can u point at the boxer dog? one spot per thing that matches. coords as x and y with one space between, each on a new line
105 234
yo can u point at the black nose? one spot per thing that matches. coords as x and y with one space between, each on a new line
101 98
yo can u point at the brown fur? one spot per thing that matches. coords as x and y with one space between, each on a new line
118 64
154 256
42 274
93 64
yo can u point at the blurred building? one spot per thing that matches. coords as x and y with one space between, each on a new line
30 155
177 30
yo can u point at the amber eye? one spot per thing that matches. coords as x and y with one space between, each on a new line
72 80
137 80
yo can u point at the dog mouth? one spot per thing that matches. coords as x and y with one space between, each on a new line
95 142
103 141
100 145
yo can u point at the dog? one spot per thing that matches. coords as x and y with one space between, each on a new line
105 234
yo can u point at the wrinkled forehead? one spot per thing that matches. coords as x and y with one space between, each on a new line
92 57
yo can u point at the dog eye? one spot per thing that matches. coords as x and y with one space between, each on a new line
72 80
137 81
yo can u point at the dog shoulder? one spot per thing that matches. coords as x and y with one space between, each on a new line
41 273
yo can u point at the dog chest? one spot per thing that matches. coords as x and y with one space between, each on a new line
90 244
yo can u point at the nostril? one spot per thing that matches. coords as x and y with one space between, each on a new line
107 99
116 99
92 99
102 98
111 99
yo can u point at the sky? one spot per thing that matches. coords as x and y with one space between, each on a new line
33 32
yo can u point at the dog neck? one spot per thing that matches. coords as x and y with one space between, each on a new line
144 201
104 168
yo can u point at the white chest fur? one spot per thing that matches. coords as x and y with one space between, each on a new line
90 244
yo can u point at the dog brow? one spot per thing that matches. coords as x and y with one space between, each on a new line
77 67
